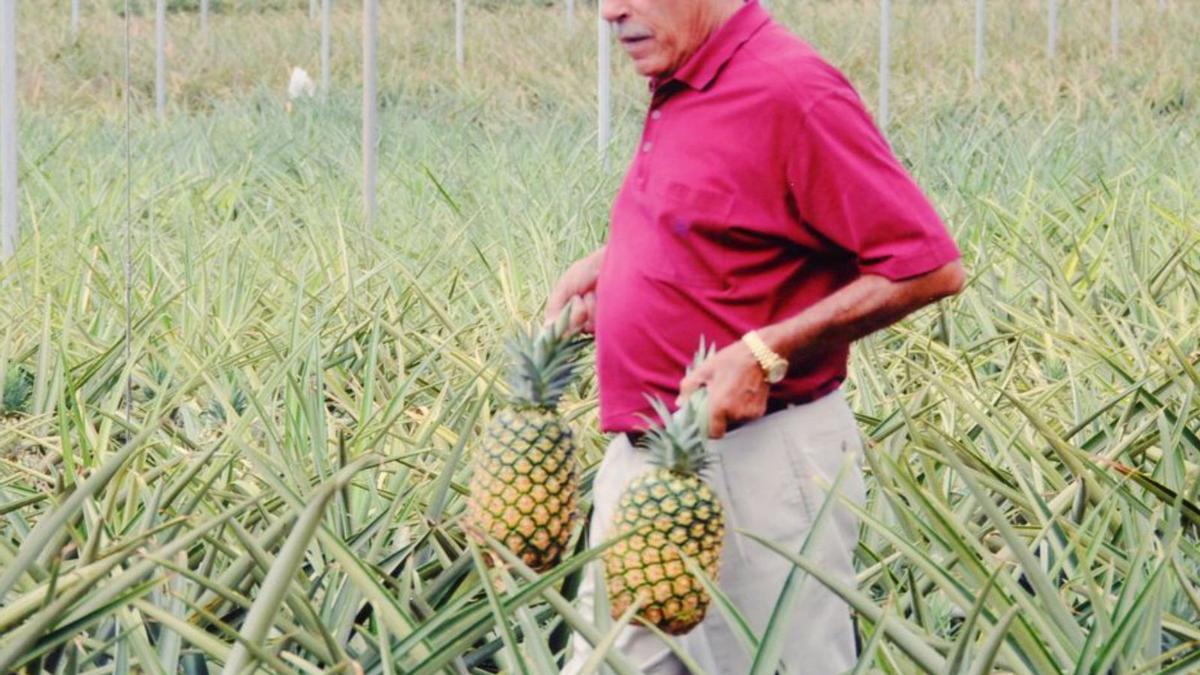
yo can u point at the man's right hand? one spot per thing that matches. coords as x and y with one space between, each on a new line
578 283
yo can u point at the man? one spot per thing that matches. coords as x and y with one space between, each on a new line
764 212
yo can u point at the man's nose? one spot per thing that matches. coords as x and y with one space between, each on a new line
613 10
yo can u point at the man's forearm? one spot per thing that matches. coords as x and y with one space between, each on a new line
862 307
595 258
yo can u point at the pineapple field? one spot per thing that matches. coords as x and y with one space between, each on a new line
284 467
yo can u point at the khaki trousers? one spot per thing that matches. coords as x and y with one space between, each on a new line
772 476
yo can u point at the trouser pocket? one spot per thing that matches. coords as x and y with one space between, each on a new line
759 481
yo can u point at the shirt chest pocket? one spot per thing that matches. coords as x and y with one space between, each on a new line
690 246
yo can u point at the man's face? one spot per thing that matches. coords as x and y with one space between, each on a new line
659 35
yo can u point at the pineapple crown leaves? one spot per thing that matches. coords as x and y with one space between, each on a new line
544 363
680 442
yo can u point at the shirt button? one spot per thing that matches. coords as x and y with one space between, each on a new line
646 146
656 114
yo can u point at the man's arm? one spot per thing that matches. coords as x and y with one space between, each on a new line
737 388
858 309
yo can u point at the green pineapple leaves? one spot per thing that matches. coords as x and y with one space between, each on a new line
545 362
680 442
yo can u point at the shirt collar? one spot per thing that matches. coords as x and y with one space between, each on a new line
701 67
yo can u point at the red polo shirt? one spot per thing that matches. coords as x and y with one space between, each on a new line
761 185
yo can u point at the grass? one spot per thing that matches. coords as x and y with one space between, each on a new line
306 393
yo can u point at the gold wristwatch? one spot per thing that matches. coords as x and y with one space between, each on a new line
774 366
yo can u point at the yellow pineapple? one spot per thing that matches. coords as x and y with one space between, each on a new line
671 511
524 484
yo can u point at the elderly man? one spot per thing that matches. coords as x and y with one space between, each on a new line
764 212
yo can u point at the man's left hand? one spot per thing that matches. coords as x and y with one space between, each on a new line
737 387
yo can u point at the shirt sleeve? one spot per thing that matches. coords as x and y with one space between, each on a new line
851 190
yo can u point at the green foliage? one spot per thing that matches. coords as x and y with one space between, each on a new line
1032 445
17 393
544 362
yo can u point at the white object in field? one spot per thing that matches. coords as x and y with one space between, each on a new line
980 34
326 18
460 18
885 59
1115 26
8 128
1052 32
570 13
604 85
300 84
160 59
370 142
204 19
74 18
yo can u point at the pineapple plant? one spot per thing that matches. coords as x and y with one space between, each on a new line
663 515
16 392
524 481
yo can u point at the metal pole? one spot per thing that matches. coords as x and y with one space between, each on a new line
1115 27
8 128
74 18
326 12
1052 32
980 34
885 59
570 13
204 19
460 18
370 140
160 59
604 86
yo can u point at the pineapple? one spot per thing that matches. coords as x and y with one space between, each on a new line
524 484
669 510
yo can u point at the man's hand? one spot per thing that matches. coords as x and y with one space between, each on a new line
737 387
578 283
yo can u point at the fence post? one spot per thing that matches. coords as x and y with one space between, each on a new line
460 19
1115 26
885 59
9 212
1052 31
160 59
370 139
604 85
326 18
980 35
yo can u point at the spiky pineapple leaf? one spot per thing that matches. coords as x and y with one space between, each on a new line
545 362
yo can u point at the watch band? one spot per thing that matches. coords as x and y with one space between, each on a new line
766 357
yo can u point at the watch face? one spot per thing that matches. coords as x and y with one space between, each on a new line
776 372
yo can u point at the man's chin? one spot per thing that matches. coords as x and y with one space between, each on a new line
648 68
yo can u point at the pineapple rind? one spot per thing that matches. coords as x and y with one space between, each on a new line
648 566
523 489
